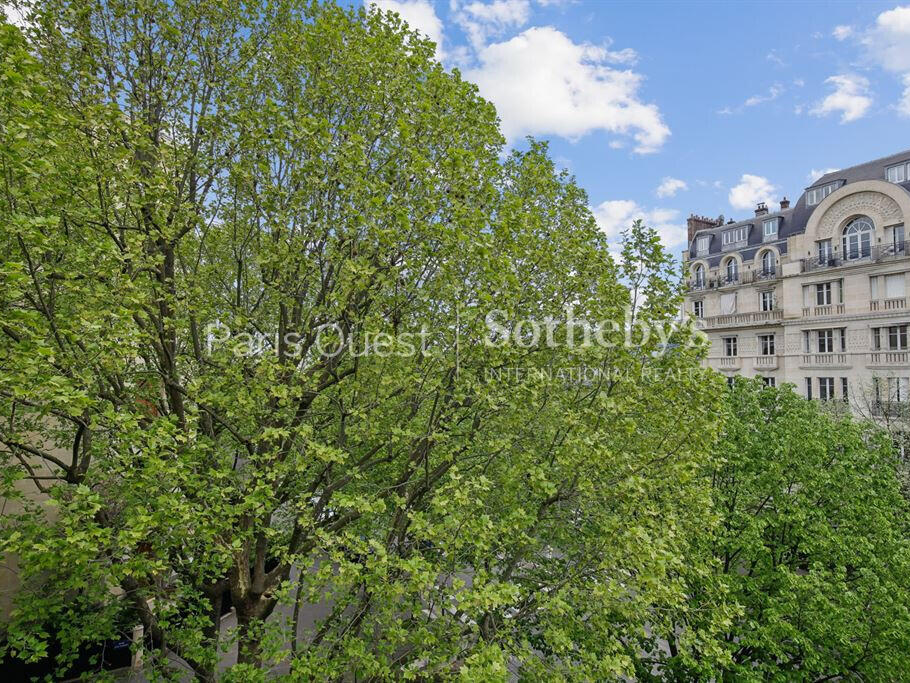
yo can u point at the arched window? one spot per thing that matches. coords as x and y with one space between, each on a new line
699 275
732 270
858 238
767 263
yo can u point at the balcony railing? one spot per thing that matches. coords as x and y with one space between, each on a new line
764 362
729 362
874 254
888 304
824 360
739 319
884 358
744 278
827 309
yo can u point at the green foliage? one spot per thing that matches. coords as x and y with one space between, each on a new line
812 553
462 507
282 171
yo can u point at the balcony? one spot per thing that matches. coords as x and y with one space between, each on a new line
888 304
742 319
825 360
729 363
765 362
875 254
744 278
820 311
889 358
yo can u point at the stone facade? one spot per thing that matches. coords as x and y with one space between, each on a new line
821 303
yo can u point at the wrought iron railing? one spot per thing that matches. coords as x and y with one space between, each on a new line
873 254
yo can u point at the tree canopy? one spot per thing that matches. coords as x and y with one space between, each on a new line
285 326
202 202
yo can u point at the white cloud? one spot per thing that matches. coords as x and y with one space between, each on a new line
774 58
850 97
616 215
670 186
543 83
14 16
773 93
888 43
751 190
903 107
420 15
842 32
481 20
817 173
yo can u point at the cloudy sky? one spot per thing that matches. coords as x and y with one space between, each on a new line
664 109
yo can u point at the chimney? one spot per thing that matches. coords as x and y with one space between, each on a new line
696 223
761 209
784 204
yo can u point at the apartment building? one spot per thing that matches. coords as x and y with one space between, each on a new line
814 294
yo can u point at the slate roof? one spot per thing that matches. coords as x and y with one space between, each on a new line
794 220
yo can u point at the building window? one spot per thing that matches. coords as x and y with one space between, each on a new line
766 344
767 263
769 229
699 276
823 294
897 238
769 381
702 245
825 341
816 195
809 388
732 269
893 338
730 381
844 392
698 307
897 337
766 300
896 174
824 252
858 238
826 388
898 388
735 235
730 346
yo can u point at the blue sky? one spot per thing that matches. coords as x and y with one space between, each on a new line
720 104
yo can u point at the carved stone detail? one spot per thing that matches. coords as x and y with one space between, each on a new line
879 207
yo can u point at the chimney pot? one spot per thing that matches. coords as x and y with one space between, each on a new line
697 223
761 209
784 204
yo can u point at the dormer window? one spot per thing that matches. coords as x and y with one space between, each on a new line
817 194
702 244
898 173
734 236
769 229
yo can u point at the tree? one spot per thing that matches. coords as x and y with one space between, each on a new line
811 559
203 201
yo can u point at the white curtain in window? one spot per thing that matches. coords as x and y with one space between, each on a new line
728 303
895 286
